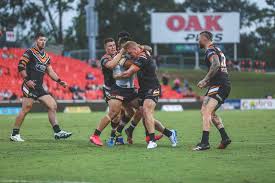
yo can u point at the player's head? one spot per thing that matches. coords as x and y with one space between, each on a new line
132 48
122 38
205 38
40 40
110 46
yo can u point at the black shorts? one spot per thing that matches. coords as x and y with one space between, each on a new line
106 94
152 94
218 92
39 91
123 94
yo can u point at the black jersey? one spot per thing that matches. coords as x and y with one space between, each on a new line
109 81
147 77
221 77
35 62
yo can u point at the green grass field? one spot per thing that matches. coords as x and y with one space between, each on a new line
40 158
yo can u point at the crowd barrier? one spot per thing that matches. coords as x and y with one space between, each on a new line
13 107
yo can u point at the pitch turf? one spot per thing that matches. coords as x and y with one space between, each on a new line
250 158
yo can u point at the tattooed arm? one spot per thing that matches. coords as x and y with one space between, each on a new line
215 65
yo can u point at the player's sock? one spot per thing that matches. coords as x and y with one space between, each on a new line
97 132
146 133
113 132
205 137
15 131
152 137
167 132
124 120
223 134
131 127
56 128
120 127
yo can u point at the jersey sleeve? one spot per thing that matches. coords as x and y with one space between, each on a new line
140 62
24 60
104 60
210 53
49 61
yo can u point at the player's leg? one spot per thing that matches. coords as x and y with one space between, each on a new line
26 107
114 110
114 125
171 134
208 106
126 116
148 115
136 119
129 111
51 105
217 121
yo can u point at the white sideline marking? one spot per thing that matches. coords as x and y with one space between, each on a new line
38 181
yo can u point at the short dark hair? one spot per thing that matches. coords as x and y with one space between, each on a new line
123 34
107 40
207 34
39 34
123 40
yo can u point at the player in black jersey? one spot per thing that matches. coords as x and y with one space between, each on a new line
149 91
108 62
219 86
32 66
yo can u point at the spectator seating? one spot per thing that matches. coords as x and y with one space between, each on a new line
71 70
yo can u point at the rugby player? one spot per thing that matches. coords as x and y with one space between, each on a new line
108 62
219 86
32 66
149 90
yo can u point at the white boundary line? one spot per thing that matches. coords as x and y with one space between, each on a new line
38 181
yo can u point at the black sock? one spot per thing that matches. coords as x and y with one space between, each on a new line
167 132
223 134
146 133
97 132
113 132
15 131
131 127
152 137
205 137
124 120
120 127
56 128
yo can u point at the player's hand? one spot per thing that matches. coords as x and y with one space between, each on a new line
122 51
202 84
63 83
30 84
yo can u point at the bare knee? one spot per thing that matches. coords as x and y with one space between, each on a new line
205 112
52 107
26 109
113 113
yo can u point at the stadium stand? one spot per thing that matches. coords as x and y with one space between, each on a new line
76 73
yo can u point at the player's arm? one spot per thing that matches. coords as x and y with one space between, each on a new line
22 65
55 77
215 65
115 61
128 73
